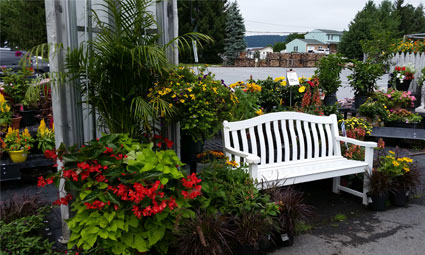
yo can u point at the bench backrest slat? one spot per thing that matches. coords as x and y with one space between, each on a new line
308 138
278 141
300 140
283 137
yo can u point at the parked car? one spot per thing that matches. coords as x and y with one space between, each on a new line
11 59
320 51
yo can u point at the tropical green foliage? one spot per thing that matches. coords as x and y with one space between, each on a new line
235 31
120 65
206 17
22 23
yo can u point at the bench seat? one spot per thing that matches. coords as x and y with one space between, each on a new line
308 170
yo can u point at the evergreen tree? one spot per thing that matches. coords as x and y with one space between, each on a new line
279 46
207 17
234 42
22 23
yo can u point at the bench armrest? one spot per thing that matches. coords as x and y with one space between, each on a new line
250 158
356 142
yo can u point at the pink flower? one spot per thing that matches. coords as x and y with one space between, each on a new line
388 95
413 98
409 92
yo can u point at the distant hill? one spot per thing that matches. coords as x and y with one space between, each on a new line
263 40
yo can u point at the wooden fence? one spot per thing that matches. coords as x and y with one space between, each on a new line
417 59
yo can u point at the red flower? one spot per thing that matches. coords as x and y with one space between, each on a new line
50 154
169 143
108 150
63 200
96 205
192 180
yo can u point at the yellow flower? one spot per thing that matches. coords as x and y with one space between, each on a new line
26 133
279 78
406 169
170 105
189 89
283 83
182 101
232 163
215 90
395 163
2 99
192 96
391 152
259 112
301 89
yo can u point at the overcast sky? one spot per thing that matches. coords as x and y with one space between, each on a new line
301 15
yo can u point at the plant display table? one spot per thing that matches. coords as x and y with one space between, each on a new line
286 148
12 171
401 133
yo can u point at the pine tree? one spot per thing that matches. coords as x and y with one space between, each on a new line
234 42
206 17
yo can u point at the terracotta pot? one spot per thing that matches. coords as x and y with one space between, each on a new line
16 122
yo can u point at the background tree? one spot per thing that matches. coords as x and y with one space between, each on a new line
293 36
412 20
22 23
279 46
234 42
207 17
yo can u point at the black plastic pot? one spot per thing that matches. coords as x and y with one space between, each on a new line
27 118
189 150
403 86
399 197
247 250
378 201
330 99
359 100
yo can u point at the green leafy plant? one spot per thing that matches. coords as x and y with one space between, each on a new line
404 115
364 76
16 83
201 103
422 77
45 137
15 141
375 110
24 235
127 196
328 71
395 98
247 106
5 114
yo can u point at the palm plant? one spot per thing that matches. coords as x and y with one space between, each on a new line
118 67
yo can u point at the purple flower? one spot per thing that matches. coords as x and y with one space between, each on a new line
205 76
199 78
175 99
18 53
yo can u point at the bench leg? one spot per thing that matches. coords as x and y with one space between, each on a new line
365 190
335 183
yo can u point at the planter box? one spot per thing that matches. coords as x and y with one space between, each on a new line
402 124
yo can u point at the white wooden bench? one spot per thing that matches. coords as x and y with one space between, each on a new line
290 147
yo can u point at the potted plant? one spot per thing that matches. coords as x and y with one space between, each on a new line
396 99
328 72
45 137
379 186
402 181
5 114
199 102
17 144
363 79
356 128
403 118
403 76
375 111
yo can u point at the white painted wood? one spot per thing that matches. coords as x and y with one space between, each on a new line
235 145
335 133
262 144
285 140
270 142
294 142
308 139
244 141
322 141
329 140
300 139
315 139
278 141
253 139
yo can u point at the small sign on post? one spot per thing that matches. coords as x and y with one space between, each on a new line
292 78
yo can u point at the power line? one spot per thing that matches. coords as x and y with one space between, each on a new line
280 25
